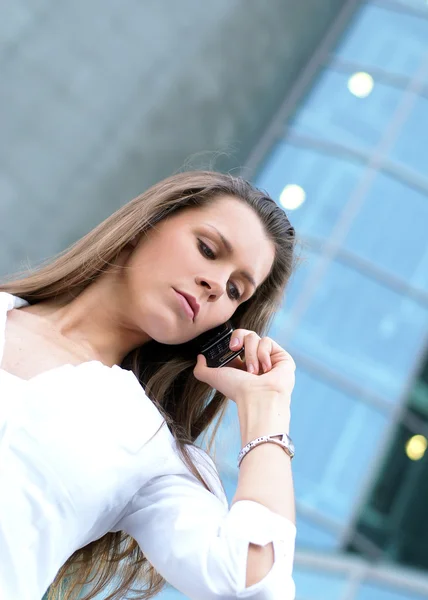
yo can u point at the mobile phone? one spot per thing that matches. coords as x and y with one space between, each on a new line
214 345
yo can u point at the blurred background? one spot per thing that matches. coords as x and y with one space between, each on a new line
325 105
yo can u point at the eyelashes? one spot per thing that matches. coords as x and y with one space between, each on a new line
208 253
206 250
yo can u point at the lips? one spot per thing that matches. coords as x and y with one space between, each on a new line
191 302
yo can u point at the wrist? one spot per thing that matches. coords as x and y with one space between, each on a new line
263 413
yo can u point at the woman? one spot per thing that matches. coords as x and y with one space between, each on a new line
102 396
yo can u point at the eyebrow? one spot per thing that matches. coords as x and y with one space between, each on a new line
229 249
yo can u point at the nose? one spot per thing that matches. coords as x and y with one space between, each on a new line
214 287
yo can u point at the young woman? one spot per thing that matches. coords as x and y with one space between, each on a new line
102 396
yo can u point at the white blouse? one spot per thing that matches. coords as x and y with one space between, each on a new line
80 456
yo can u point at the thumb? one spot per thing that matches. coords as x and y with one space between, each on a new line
201 360
201 363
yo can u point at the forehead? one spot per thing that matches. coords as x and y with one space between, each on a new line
242 227
225 209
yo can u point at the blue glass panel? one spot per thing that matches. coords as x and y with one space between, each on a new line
227 444
319 585
312 536
390 227
226 449
382 592
298 280
170 593
410 145
229 481
420 4
372 40
360 329
328 182
331 112
337 438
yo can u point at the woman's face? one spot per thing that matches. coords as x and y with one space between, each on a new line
184 253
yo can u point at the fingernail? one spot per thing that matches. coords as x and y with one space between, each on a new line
251 368
265 367
234 342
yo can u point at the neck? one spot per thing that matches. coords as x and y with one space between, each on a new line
97 319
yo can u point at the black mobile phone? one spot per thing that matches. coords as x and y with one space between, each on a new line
214 345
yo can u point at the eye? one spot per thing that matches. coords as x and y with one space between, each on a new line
206 250
236 294
208 253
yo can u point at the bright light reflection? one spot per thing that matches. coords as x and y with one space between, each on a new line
360 84
292 196
416 446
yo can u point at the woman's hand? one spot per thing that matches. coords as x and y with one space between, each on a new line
267 368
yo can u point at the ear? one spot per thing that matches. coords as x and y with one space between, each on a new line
127 250
134 241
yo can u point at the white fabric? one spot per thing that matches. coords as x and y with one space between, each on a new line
80 456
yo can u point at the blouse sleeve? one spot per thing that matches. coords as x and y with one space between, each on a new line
200 546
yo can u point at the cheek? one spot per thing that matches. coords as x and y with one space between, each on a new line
149 260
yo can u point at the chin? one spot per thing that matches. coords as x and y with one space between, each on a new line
168 331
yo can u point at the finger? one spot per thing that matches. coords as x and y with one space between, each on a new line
290 359
237 363
201 359
278 353
201 363
236 340
263 352
204 373
239 335
251 344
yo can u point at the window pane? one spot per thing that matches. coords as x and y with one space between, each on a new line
421 4
390 230
327 181
394 514
312 536
170 593
380 592
391 209
360 329
372 40
332 112
328 428
226 448
410 146
319 585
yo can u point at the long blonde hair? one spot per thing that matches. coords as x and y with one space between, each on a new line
166 373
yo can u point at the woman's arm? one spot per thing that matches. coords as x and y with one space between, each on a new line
195 541
262 390
265 474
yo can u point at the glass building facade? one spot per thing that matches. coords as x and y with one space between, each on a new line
351 170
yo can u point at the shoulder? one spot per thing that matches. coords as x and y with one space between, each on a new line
163 444
119 380
118 389
124 382
126 392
